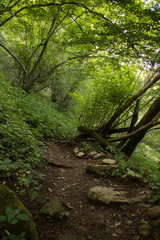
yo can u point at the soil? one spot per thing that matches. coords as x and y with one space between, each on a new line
87 220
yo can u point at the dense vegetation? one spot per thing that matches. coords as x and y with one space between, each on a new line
87 65
25 121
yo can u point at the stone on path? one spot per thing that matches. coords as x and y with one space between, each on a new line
99 155
145 230
154 212
109 195
53 208
76 150
109 161
80 154
92 154
100 170
58 162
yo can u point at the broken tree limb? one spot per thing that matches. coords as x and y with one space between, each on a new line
127 136
17 60
103 142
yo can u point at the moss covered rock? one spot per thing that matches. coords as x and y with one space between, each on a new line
9 198
100 170
53 208
109 195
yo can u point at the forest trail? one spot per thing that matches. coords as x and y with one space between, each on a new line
65 176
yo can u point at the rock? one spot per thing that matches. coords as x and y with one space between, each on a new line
9 198
100 170
129 222
80 154
114 235
53 208
145 230
58 162
99 155
154 212
109 195
109 161
76 150
92 154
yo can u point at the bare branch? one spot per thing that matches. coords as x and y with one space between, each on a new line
17 60
10 7
142 129
13 15
44 46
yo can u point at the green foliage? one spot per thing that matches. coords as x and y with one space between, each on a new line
101 35
20 236
13 216
150 146
140 167
113 84
148 168
24 121
45 118
46 38
19 148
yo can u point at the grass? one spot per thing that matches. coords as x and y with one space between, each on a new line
25 120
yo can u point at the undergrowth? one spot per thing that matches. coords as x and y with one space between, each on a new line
24 121
142 168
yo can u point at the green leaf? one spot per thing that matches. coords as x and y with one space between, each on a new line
23 217
16 211
9 211
23 234
7 161
3 218
14 221
4 238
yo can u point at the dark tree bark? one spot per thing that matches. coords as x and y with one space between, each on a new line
103 142
150 117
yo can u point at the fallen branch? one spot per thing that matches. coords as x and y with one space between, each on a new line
103 142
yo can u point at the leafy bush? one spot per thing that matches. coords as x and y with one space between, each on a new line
24 121
19 149
13 216
110 88
44 117
147 168
141 167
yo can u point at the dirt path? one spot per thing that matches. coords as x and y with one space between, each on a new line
67 178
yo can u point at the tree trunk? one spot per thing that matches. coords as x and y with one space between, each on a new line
152 115
131 145
107 126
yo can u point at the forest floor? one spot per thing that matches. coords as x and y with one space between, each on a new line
87 220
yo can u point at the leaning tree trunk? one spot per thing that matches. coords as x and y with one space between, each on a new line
103 130
151 116
131 145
